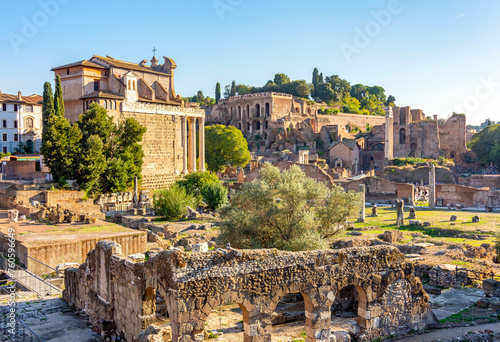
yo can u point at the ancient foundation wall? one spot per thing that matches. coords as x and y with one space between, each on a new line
110 287
464 195
58 252
378 189
480 181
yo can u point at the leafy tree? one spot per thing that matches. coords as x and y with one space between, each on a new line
225 145
96 121
172 203
116 175
286 210
227 91
58 98
372 105
214 195
233 88
280 79
358 91
242 89
193 183
217 92
324 92
303 90
485 144
92 164
351 105
340 87
378 92
391 100
320 78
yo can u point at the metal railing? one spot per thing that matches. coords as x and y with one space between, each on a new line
15 329
31 281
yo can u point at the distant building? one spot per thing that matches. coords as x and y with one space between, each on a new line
145 93
20 121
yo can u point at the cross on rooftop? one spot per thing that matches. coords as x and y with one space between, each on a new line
154 51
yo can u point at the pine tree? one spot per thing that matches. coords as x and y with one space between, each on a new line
58 98
217 92
233 89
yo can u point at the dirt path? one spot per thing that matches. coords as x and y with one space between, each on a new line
450 333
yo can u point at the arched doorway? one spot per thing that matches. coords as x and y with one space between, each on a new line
29 146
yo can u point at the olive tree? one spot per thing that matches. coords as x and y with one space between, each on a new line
286 210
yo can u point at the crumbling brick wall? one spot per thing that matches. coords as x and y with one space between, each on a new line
112 288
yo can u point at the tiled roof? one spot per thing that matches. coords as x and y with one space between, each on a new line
84 63
32 99
128 65
348 142
103 94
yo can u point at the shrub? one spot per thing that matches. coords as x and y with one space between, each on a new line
193 182
172 203
214 195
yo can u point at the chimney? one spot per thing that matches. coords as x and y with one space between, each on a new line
19 96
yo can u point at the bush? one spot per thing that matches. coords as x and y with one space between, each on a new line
193 182
172 203
214 195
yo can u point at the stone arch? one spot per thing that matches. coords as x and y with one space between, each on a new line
297 110
257 110
239 126
453 155
268 111
402 136
239 112
256 125
248 111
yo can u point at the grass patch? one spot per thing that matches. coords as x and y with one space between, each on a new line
469 315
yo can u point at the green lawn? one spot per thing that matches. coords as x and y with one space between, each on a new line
441 227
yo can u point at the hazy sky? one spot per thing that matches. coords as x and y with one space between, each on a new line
440 55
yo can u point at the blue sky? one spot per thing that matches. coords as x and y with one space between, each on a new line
440 56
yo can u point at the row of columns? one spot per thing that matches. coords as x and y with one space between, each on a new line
189 143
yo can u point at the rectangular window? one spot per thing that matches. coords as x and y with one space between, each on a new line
15 108
4 107
15 123
4 149
4 123
4 137
96 85
16 137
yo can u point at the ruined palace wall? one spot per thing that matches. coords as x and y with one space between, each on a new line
193 284
464 195
344 119
452 136
481 181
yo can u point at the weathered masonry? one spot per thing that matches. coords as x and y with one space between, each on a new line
110 287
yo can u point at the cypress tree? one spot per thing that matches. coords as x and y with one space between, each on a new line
315 81
48 103
58 98
320 78
217 92
233 88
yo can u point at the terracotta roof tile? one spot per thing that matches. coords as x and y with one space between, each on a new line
129 66
32 99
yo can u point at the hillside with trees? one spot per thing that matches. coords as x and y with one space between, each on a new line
338 94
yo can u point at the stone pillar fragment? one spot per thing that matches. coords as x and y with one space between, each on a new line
192 145
184 145
432 186
136 192
362 191
202 144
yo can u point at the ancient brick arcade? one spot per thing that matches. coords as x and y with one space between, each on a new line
111 287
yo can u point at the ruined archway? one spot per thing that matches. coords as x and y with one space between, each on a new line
257 110
402 136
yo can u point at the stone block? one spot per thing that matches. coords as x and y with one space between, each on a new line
491 287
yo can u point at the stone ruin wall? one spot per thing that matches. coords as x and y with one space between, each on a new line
113 290
378 189
160 161
452 137
451 194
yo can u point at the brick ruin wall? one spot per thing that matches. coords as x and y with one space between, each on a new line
467 196
113 289
163 132
378 189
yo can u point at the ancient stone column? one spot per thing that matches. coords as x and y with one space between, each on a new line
136 193
192 144
363 197
432 186
184 145
202 144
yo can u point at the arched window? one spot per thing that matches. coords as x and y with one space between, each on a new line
248 111
257 110
28 122
133 85
267 124
402 136
129 85
239 112
268 112
114 104
297 110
